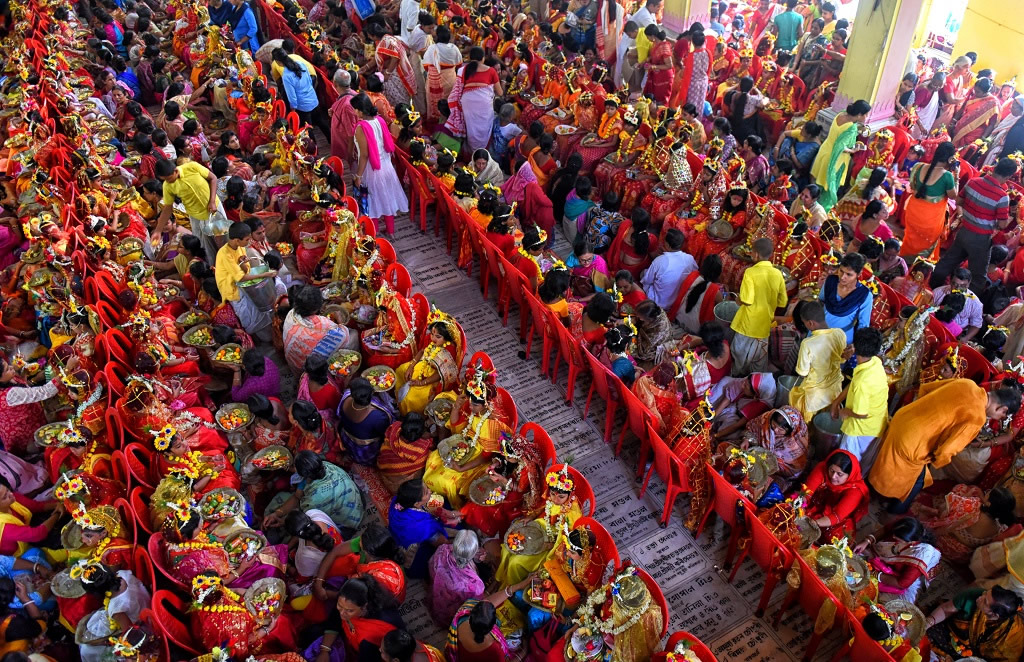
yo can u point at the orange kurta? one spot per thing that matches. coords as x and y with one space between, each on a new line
946 416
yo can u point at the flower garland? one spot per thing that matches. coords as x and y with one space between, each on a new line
431 352
532 258
606 122
893 363
192 468
629 147
195 545
111 623
554 515
587 618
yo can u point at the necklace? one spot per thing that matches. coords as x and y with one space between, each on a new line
606 123
629 147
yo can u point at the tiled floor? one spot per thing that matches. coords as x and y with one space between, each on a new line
700 599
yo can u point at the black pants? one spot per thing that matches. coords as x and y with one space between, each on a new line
897 507
970 245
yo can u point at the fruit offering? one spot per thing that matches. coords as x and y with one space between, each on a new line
243 545
380 379
516 541
219 505
229 354
273 459
266 603
234 418
200 338
284 248
193 317
343 363
494 497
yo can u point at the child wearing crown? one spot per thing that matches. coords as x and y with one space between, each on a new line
434 369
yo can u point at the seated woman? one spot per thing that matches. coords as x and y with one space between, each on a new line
309 430
272 422
986 624
634 245
417 518
653 332
198 458
867 189
740 399
616 355
481 432
502 231
475 634
915 285
629 293
783 432
905 558
404 452
517 470
314 534
588 323
453 577
434 369
219 616
560 511
576 210
317 386
836 495
321 486
363 418
588 272
125 598
308 332
966 518
631 144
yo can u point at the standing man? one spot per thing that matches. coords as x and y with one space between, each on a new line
409 14
789 25
243 26
947 415
232 267
762 291
648 14
984 208
628 41
343 118
196 188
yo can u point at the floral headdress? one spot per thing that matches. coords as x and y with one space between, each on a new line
183 510
163 437
123 648
560 480
631 116
414 116
205 584
84 571
70 486
479 384
829 259
71 436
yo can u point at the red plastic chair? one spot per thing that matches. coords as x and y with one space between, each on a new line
398 276
639 418
115 432
584 492
90 290
171 613
350 204
157 555
978 367
768 553
119 347
456 223
109 315
857 645
418 194
481 359
541 439
542 321
137 498
672 471
479 242
726 502
603 540
144 568
569 348
148 618
657 596
603 381
116 375
124 509
139 460
517 287
506 403
811 596
495 269
119 469
699 648
107 286
386 250
420 304
440 196
367 225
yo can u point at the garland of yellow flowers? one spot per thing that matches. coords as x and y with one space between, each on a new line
552 511
217 609
113 624
533 258
431 352
606 121
629 147
448 178
193 470
196 545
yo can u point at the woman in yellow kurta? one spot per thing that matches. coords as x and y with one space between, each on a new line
434 369
946 416
481 431
559 515
833 160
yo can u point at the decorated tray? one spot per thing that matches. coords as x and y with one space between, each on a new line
192 317
911 616
453 450
199 336
272 458
542 102
244 544
440 410
64 585
221 503
48 434
858 576
233 416
265 598
344 362
721 230
526 538
229 353
565 130
168 291
487 491
381 377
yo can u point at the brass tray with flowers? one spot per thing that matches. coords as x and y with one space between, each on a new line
454 450
244 544
200 335
344 362
233 416
49 434
381 377
272 458
487 491
265 598
191 318
221 503
525 538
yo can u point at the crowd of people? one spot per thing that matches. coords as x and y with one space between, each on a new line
196 212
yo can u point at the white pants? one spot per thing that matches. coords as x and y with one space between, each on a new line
863 448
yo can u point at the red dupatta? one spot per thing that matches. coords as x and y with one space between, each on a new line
359 630
817 480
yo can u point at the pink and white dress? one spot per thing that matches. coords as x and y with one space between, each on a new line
386 195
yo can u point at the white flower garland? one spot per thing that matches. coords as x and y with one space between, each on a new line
893 363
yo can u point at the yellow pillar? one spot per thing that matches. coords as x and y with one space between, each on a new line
677 13
920 32
994 29
879 46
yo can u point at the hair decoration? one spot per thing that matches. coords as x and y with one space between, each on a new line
560 480
205 584
163 438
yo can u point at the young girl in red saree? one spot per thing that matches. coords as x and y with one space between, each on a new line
392 341
199 457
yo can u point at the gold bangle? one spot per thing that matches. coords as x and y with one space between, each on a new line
318 579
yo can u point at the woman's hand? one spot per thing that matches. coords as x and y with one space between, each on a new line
318 590
272 520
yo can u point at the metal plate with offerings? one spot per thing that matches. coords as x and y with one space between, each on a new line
272 458
233 417
525 538
265 599
487 491
244 544
381 377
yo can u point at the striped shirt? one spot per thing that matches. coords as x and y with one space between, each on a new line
984 203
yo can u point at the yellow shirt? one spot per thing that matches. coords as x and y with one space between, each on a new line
764 288
192 188
276 68
868 394
643 47
819 363
228 272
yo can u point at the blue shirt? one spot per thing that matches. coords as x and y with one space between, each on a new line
129 78
858 318
717 27
299 89
246 27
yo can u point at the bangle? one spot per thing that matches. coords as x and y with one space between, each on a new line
507 594
35 566
318 580
28 602
325 648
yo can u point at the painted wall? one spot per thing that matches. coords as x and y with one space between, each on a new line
994 29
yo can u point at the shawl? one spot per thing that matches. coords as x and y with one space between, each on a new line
392 46
491 174
834 492
411 526
921 555
846 305
456 124
371 145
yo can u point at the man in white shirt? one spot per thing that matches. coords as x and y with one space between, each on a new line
647 14
662 279
409 13
423 35
628 41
